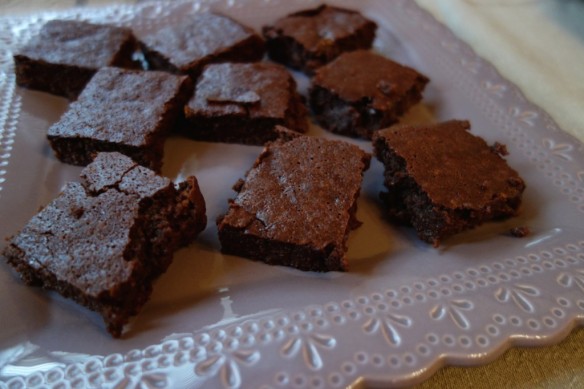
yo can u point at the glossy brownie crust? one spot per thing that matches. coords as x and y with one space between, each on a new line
66 54
243 103
297 204
206 38
129 111
309 39
442 180
102 242
361 92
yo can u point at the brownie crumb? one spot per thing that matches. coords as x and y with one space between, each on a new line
520 232
500 149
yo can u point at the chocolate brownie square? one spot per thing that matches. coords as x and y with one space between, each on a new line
129 111
243 103
308 39
104 241
361 92
206 38
65 54
441 179
297 204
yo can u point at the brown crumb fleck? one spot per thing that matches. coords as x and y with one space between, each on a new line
500 149
515 182
519 232
77 212
238 185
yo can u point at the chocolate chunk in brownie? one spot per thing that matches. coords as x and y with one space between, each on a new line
361 92
297 204
308 39
129 111
104 241
64 56
206 38
441 179
243 103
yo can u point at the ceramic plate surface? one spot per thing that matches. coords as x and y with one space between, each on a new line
402 311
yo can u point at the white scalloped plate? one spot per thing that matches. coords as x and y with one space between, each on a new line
401 312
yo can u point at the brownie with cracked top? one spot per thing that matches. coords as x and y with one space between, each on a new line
129 111
65 54
243 103
308 39
361 92
206 38
296 205
104 241
441 179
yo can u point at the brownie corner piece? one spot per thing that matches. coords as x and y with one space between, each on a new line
442 180
361 92
129 111
103 241
243 103
311 38
205 38
297 204
63 57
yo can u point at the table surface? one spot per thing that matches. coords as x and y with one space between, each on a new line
532 43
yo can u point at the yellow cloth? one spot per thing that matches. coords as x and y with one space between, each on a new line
560 366
536 44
